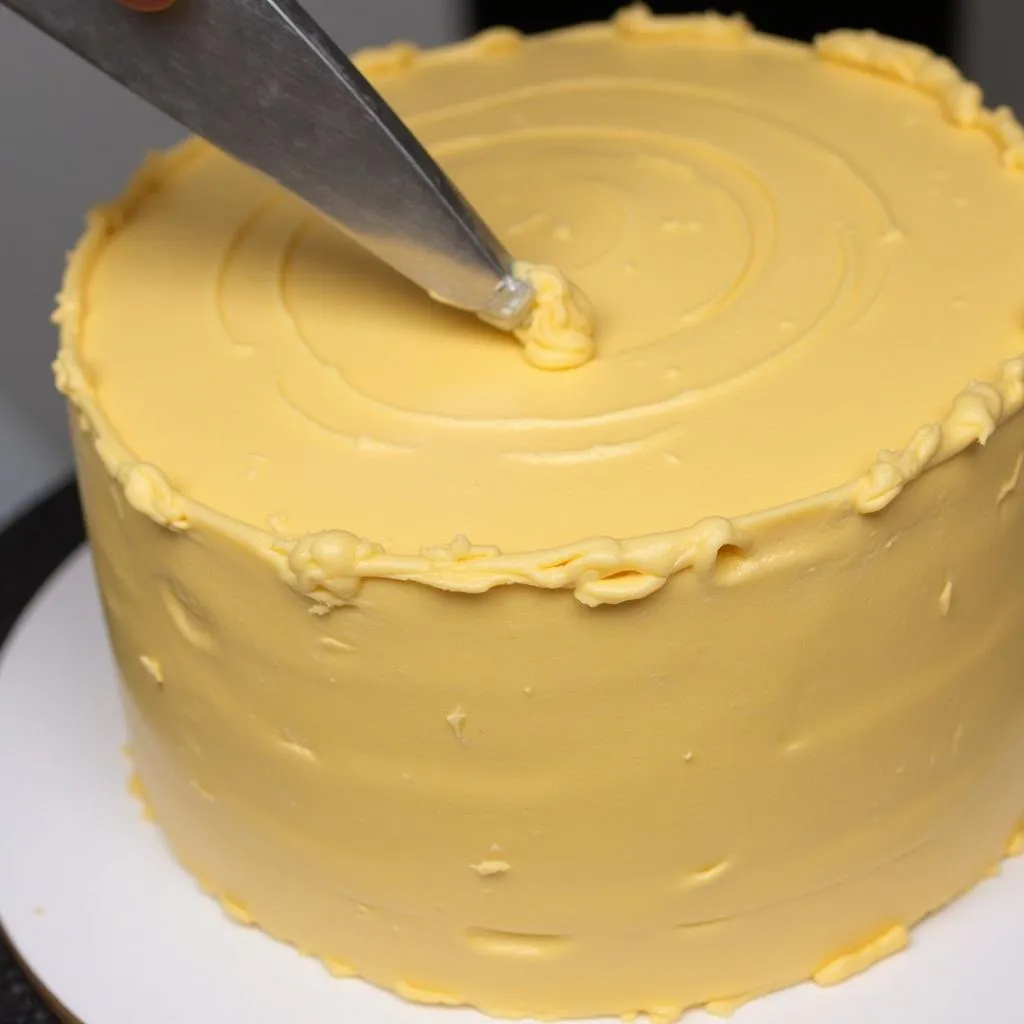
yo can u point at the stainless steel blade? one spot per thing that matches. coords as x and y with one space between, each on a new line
262 81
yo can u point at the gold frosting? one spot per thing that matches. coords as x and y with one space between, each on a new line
558 332
638 22
917 66
780 722
846 966
793 320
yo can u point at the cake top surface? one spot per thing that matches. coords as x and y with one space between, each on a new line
797 257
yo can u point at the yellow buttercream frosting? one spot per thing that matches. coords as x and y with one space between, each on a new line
775 718
891 941
558 331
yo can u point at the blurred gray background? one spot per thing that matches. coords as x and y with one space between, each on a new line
68 138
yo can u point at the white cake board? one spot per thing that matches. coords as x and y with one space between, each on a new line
119 934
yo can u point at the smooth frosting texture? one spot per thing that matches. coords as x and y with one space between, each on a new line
777 716
763 273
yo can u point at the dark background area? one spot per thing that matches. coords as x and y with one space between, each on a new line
925 21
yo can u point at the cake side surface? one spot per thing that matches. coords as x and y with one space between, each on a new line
779 722
484 805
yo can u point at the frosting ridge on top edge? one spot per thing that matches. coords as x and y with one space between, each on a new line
598 570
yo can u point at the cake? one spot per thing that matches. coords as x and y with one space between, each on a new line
679 674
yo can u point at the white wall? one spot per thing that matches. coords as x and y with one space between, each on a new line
68 138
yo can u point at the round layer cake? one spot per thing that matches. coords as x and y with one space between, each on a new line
666 679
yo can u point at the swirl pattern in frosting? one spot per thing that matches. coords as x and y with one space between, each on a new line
777 298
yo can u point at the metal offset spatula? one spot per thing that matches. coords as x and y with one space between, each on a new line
261 80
